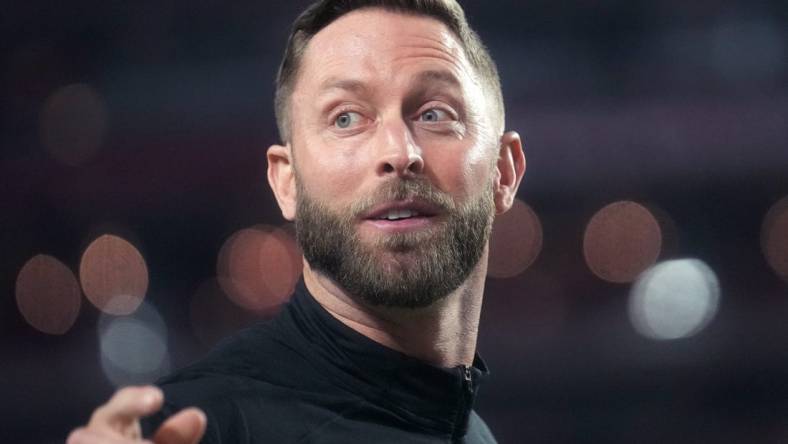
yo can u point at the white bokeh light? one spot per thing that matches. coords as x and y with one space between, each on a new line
134 348
674 299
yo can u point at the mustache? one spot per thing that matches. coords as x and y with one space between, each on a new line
404 189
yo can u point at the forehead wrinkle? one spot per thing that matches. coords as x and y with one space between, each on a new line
443 67
444 45
444 49
431 54
353 85
438 76
443 39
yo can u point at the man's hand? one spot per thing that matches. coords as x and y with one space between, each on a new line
118 421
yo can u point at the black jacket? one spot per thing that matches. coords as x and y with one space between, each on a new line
304 377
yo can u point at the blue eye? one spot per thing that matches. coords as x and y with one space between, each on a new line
347 119
434 115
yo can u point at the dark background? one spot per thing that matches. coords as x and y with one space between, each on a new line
682 105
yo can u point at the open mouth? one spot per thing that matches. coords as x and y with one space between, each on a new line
393 215
402 211
403 216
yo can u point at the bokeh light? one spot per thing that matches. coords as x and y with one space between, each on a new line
621 241
73 123
47 294
674 299
774 238
259 267
516 241
213 316
134 348
114 275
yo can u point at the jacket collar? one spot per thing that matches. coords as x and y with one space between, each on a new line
434 398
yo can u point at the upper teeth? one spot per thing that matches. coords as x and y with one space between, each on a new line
398 214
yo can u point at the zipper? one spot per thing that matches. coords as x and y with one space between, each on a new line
468 379
466 398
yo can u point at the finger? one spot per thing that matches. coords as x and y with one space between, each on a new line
87 436
126 407
185 427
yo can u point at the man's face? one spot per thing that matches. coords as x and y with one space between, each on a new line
395 157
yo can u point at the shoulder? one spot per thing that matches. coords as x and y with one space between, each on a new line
262 358
260 382
243 409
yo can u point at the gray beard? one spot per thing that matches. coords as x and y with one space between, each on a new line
403 270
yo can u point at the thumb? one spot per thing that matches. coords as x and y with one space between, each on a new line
185 427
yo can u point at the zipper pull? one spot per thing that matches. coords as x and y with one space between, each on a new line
468 378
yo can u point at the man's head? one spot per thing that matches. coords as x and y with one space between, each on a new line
395 164
322 13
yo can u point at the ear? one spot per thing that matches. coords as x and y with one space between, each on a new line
281 177
510 171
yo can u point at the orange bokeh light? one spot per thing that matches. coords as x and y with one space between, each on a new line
516 241
114 275
774 238
259 267
621 241
47 294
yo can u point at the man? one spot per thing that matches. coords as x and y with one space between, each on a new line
393 166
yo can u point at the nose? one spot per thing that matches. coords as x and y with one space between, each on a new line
399 153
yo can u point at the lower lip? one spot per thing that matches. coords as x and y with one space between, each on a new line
401 225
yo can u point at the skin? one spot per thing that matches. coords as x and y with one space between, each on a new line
418 110
415 110
117 421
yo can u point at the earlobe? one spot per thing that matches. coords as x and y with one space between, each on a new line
281 177
510 171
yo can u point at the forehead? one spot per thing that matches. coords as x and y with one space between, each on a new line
373 43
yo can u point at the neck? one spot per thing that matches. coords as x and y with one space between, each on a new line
443 334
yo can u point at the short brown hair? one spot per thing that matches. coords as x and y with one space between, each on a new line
322 13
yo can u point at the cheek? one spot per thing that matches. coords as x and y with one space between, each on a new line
462 171
330 174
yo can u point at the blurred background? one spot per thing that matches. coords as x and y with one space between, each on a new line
638 291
